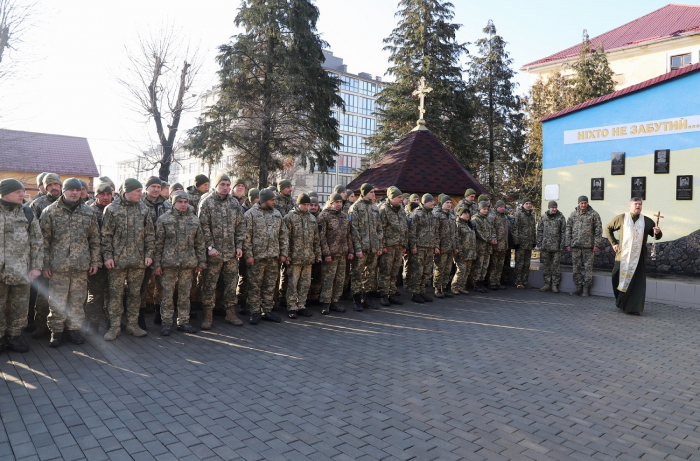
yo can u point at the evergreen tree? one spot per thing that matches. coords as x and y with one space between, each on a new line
424 44
593 76
498 127
274 97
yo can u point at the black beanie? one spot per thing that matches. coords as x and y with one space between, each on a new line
303 198
10 185
200 179
153 180
72 183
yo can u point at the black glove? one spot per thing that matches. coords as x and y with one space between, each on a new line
517 246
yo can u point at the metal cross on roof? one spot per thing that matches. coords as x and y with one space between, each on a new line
421 92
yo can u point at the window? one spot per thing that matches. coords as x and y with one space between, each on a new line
348 83
350 102
366 106
331 169
348 143
348 123
347 164
323 183
366 126
363 148
368 88
679 61
344 180
191 167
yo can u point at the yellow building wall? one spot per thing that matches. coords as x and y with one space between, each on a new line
682 217
29 180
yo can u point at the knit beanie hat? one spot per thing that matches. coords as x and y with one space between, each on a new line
72 183
349 192
108 181
103 187
253 194
313 193
83 184
461 210
220 177
469 192
500 203
483 204
412 206
526 199
339 188
414 196
176 186
200 179
405 195
40 178
484 197
427 198
273 188
314 200
303 198
443 198
335 197
237 181
10 185
582 198
284 184
393 192
265 195
552 204
164 184
51 178
152 180
179 195
365 189
131 184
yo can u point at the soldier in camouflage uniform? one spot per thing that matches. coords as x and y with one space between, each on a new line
367 239
200 188
98 285
127 249
395 234
446 230
485 241
40 186
71 252
466 244
316 281
304 250
265 247
179 251
242 289
499 221
525 239
336 247
423 244
221 218
21 260
238 191
342 190
583 230
551 236
284 204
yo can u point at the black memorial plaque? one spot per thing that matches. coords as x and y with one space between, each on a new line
617 164
662 161
639 187
684 187
597 188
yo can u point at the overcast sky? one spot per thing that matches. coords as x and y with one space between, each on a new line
71 59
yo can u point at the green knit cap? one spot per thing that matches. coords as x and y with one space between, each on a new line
427 198
339 188
483 198
414 196
237 181
265 195
483 204
10 185
303 198
200 180
131 184
253 194
284 184
469 192
221 177
40 178
461 210
313 193
405 195
365 189
393 192
443 198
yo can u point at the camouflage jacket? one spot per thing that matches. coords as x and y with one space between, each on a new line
394 225
334 233
466 240
346 207
41 203
551 231
195 196
266 235
500 224
21 244
99 212
36 197
179 241
583 228
127 234
484 234
222 224
366 227
304 245
446 227
71 237
473 207
422 229
284 204
524 230
157 208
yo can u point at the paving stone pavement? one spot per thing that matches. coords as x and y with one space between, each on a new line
505 375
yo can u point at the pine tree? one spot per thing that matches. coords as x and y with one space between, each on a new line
274 97
593 76
498 128
424 44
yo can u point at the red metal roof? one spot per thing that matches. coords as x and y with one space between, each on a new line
36 152
672 20
625 91
419 163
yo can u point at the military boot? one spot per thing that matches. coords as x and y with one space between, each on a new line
585 293
357 302
417 298
142 318
337 308
426 298
187 328
135 330
439 294
305 313
577 291
232 318
13 343
92 328
555 289
2 345
114 331
165 331
326 309
545 288
254 319
393 300
208 319
157 319
367 300
384 301
270 317
56 339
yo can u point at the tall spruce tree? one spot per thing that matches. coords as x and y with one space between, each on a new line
274 97
424 44
498 126
593 77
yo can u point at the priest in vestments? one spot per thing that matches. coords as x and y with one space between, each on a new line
629 273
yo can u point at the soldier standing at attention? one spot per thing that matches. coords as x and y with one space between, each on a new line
469 202
127 249
446 230
395 234
405 198
265 247
485 241
179 252
238 191
499 221
466 244
98 286
21 260
284 204
367 239
583 230
165 190
304 250
71 253
201 187
316 281
423 245
551 235
40 186
525 239
242 290
336 248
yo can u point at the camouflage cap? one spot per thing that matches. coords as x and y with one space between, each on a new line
484 197
461 210
51 178
40 178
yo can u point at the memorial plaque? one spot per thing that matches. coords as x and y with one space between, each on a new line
639 187
662 161
684 187
617 166
597 188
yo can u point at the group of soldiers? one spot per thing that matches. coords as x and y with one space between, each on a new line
77 261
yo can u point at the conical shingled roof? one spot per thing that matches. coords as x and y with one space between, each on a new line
419 163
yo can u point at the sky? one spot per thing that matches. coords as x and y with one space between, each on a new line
71 60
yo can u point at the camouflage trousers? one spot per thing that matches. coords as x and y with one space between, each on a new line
348 275
262 284
480 266
298 283
551 266
41 305
14 304
242 288
582 262
145 283
316 281
496 267
333 278
364 273
229 271
522 265
175 280
390 265
67 293
443 268
464 267
154 292
116 279
420 269
98 293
